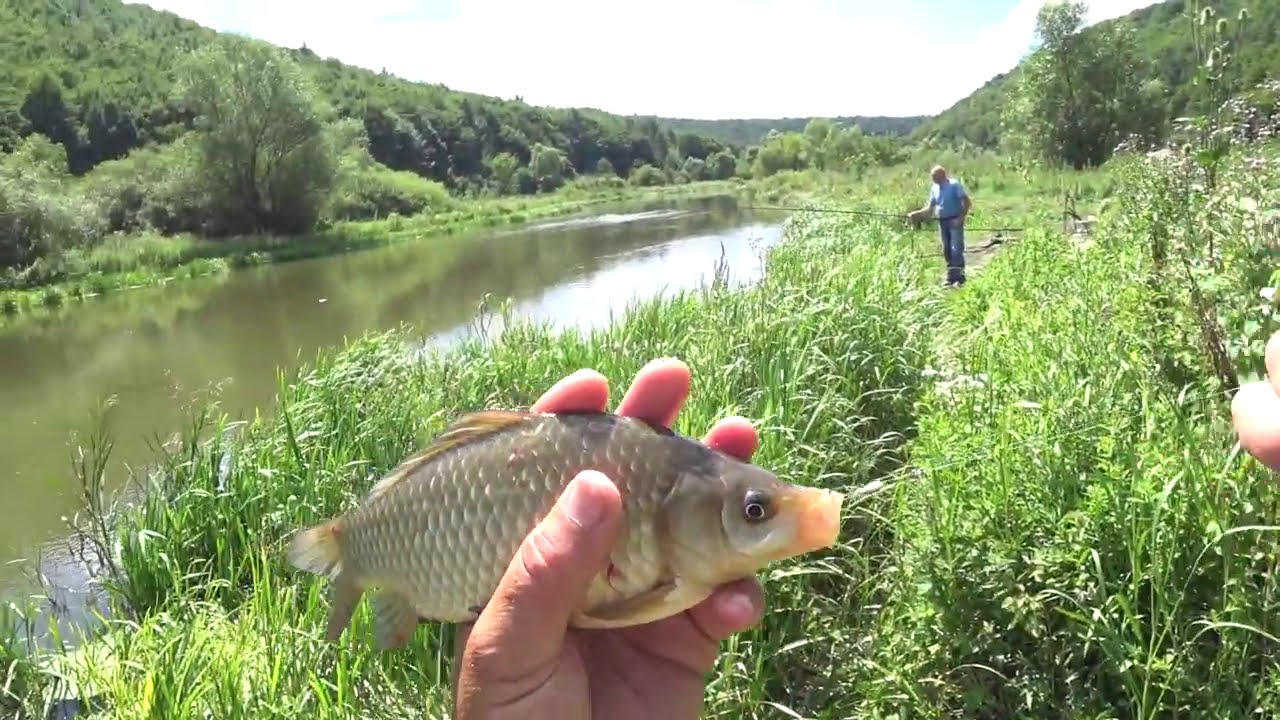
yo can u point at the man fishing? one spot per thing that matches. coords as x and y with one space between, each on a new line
951 203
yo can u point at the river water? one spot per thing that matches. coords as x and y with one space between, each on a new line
152 350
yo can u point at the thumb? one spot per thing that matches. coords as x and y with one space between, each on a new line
546 580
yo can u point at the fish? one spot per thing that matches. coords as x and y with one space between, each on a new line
434 536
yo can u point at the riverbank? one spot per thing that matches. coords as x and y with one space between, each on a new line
1080 534
134 261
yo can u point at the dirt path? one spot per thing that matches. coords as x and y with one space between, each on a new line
978 254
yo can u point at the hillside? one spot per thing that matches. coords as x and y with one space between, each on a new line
751 131
1164 43
98 79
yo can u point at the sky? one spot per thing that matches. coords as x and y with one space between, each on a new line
674 58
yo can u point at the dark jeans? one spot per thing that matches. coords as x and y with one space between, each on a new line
952 234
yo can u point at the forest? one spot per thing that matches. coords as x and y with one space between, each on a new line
101 80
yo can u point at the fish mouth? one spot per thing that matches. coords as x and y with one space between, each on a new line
813 519
817 519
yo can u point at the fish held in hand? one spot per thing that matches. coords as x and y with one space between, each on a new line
435 535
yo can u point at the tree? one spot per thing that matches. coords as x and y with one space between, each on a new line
781 152
847 148
266 153
1079 94
694 168
820 133
46 112
550 167
37 220
722 165
502 168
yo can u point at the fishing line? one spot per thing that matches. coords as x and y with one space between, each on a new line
866 213
969 249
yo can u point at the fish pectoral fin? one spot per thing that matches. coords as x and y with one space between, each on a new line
342 605
394 620
622 611
661 601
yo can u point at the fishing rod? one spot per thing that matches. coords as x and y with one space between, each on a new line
826 210
865 213
998 239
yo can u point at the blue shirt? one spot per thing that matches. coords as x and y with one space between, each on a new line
948 198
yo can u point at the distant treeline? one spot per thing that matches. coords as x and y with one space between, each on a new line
98 78
752 131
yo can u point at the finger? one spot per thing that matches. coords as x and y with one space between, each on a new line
1272 357
581 391
1255 412
692 638
733 608
658 392
734 436
530 610
462 633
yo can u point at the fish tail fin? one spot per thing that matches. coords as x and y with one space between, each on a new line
316 549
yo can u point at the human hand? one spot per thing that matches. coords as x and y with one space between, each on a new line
521 660
1255 411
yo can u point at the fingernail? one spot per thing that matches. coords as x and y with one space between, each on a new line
581 505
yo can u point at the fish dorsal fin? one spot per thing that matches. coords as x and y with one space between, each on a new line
467 429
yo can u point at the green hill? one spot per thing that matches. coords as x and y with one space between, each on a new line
1163 38
97 78
751 131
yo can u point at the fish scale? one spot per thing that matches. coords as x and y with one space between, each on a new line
450 515
437 533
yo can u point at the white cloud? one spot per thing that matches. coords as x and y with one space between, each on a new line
688 58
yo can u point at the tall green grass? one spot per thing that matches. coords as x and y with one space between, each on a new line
1079 542
1069 534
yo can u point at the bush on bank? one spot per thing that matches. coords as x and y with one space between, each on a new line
124 261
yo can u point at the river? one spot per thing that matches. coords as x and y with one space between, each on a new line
155 349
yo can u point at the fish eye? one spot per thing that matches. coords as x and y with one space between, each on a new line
755 506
